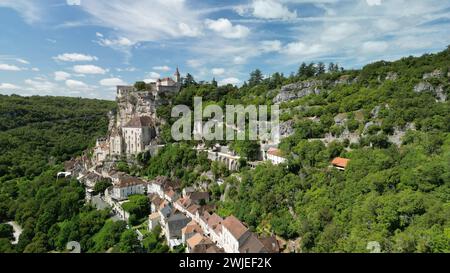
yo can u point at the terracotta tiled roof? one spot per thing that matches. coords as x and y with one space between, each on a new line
252 245
271 244
191 228
235 226
275 152
127 181
214 220
340 162
193 209
196 196
139 122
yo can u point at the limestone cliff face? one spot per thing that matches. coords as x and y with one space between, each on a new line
131 104
298 90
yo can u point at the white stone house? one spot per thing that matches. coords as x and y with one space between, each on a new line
137 134
274 155
234 234
127 186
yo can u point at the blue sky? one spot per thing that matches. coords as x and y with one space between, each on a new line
84 48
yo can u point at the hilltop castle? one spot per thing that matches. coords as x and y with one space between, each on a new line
135 125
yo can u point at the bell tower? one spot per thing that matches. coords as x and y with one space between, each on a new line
177 76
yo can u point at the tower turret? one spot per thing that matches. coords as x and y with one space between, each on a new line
177 76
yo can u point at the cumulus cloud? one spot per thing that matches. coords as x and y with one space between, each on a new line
8 86
154 75
218 71
112 82
40 85
88 69
271 46
61 76
8 67
271 9
226 29
75 57
79 85
231 80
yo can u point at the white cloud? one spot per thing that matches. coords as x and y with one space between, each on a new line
127 69
374 47
239 60
119 42
226 29
271 9
88 69
7 67
154 75
145 20
23 61
61 76
79 85
112 82
73 2
271 46
8 86
35 69
40 85
30 12
162 68
194 63
339 32
75 57
302 49
232 80
373 2
218 71
188 31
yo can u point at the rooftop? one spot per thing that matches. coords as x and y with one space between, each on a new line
340 162
235 226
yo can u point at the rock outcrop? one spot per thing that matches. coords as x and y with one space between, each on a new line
435 74
287 128
438 91
298 90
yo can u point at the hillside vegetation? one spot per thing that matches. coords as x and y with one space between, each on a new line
392 119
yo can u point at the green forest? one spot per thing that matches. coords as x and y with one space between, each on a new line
393 192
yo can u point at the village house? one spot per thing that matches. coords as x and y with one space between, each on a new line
190 230
198 244
137 134
274 155
199 198
340 163
173 226
234 234
128 185
154 220
155 202
101 150
214 228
